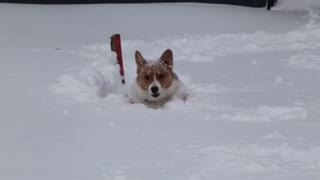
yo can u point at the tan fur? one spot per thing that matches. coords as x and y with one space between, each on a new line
140 61
167 58
156 83
160 71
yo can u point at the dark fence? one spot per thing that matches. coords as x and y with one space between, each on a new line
250 3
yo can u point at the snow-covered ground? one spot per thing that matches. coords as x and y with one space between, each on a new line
297 4
253 113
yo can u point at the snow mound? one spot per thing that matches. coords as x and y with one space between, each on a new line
91 82
88 84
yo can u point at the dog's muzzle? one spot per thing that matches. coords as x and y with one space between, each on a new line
155 91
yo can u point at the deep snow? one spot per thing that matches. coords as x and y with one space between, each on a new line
253 114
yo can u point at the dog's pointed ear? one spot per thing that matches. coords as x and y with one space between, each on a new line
167 58
139 60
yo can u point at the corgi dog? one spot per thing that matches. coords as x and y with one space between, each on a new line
156 83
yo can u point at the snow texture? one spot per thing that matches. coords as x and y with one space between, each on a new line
253 112
292 5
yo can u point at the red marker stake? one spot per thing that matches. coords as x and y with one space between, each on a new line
116 47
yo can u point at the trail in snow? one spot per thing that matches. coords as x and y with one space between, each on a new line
100 78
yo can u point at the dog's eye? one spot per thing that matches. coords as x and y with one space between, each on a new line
146 77
160 76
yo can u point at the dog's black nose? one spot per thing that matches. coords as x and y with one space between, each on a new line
154 89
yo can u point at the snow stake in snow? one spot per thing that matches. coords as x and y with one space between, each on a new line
116 47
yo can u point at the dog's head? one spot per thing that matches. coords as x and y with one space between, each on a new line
155 78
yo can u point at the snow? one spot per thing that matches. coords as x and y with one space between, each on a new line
253 112
292 5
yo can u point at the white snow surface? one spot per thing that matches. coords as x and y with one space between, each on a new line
292 5
253 75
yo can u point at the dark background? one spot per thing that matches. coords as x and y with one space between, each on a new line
250 3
